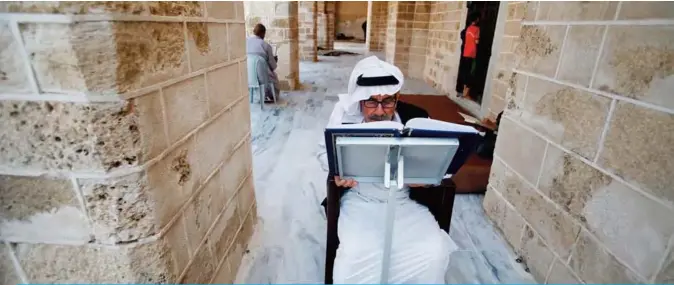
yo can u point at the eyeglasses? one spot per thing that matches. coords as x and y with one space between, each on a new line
386 103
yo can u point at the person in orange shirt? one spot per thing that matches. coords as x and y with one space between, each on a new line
470 51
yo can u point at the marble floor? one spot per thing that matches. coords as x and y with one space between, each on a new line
288 245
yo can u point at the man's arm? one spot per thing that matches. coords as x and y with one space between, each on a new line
270 56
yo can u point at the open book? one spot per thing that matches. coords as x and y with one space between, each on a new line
467 138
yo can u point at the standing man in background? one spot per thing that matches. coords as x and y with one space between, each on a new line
470 52
364 26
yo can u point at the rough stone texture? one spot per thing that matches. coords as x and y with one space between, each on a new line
619 216
539 49
223 87
569 182
505 217
246 198
151 125
537 255
201 269
594 264
69 136
224 275
638 147
214 145
576 11
580 53
444 44
520 149
186 106
146 263
201 212
173 180
556 227
225 230
121 209
561 274
666 275
8 275
638 62
221 9
164 8
646 10
572 118
236 33
105 57
13 71
207 44
179 246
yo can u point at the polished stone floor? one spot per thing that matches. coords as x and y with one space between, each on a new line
289 241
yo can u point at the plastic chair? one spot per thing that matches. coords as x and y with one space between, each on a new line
257 85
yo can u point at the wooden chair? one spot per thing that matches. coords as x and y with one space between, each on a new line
438 199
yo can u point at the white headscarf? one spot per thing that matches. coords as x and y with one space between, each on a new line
367 67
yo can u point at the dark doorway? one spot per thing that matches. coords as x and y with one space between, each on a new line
488 12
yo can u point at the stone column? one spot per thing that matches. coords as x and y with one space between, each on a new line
308 30
125 145
281 20
377 23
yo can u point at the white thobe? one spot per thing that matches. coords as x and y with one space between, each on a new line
420 249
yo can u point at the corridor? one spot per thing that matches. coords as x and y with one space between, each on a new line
289 241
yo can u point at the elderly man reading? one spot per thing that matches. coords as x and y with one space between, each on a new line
420 249
256 46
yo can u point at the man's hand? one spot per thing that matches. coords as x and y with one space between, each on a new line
348 183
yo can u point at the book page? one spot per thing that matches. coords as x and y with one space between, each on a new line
374 125
435 125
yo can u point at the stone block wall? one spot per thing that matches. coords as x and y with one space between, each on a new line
581 183
281 20
308 30
407 36
349 18
444 44
326 24
378 25
125 145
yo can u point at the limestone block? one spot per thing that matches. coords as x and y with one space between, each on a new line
121 209
638 148
234 257
8 274
638 62
619 216
105 57
69 136
241 115
201 270
214 144
200 214
41 209
520 149
238 6
235 171
225 230
561 274
573 118
173 180
646 10
186 106
556 227
224 274
497 103
570 182
222 10
539 48
504 217
207 44
580 53
141 263
13 76
74 7
531 7
246 198
536 254
666 275
576 11
179 246
176 8
223 87
243 79
594 264
151 125
236 35
512 28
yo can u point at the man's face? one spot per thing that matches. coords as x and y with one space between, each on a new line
379 108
